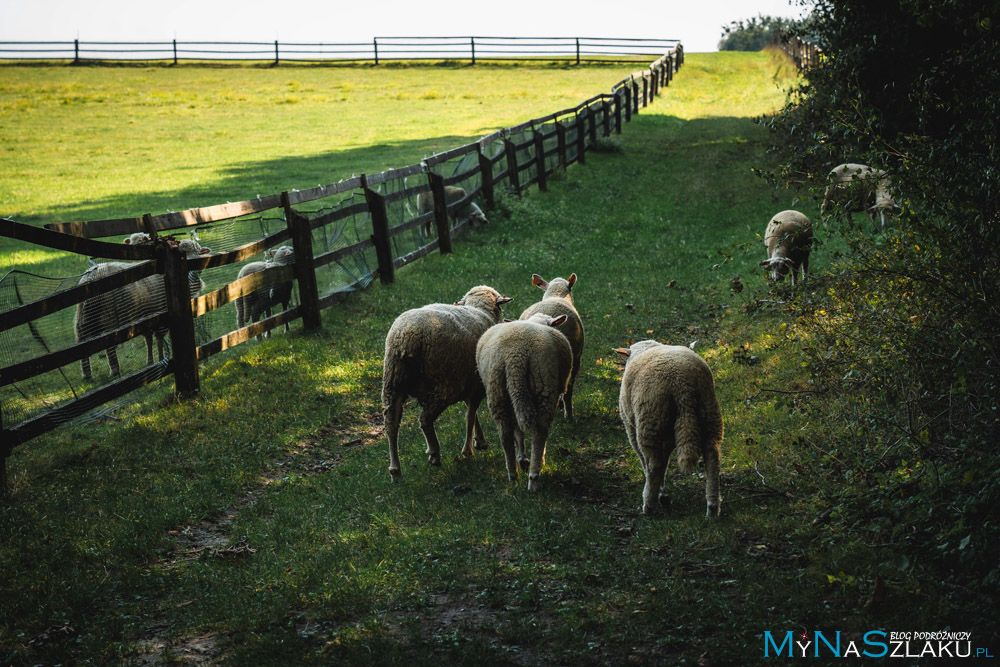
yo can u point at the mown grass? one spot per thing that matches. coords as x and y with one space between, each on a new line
258 522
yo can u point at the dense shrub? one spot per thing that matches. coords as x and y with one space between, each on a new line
908 326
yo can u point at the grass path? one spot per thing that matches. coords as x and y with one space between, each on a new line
258 523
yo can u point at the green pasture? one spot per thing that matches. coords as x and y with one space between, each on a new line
257 523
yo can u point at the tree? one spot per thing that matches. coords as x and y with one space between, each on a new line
752 34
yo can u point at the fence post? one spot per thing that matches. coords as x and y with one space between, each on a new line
606 117
628 102
440 211
635 96
275 53
472 42
581 138
175 51
592 122
618 113
543 183
180 316
380 233
76 51
645 91
512 175
375 45
561 139
577 50
305 270
486 172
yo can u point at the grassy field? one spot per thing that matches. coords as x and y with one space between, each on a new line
258 522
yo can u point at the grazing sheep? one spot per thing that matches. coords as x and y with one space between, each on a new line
858 188
452 193
256 305
525 366
112 310
788 238
556 301
430 354
668 399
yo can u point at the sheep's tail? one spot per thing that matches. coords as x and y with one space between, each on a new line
522 396
397 368
687 434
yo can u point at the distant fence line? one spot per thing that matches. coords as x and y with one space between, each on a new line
378 50
805 54
514 158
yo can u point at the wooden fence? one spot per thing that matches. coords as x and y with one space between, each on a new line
378 50
514 158
805 54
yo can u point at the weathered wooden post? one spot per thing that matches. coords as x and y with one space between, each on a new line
543 183
472 44
305 270
175 52
486 172
375 47
180 320
512 176
581 138
275 53
606 117
76 51
645 91
440 211
618 113
380 233
635 96
577 50
628 102
561 139
592 117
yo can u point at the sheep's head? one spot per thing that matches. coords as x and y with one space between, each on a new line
637 348
487 299
475 215
283 256
777 266
559 288
547 320
139 238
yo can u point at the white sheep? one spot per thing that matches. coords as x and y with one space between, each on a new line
112 310
252 307
668 399
525 366
138 238
788 238
430 354
858 188
452 193
558 300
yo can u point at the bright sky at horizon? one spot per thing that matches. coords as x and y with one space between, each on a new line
697 24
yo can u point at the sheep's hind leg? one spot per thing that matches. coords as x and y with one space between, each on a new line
522 458
507 438
427 418
712 498
538 437
472 427
393 415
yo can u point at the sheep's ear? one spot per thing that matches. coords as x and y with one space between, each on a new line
538 281
623 351
766 262
557 321
507 319
127 241
458 303
504 299
572 279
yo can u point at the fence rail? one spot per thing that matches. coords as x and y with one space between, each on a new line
805 54
379 49
385 225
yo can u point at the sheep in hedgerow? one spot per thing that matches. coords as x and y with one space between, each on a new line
788 238
525 366
258 304
558 300
857 188
667 400
430 354
112 310
452 193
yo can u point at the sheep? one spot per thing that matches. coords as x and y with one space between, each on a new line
526 367
788 239
452 193
252 307
112 310
430 354
138 238
668 399
558 300
856 188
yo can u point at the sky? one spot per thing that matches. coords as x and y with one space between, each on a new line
697 23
